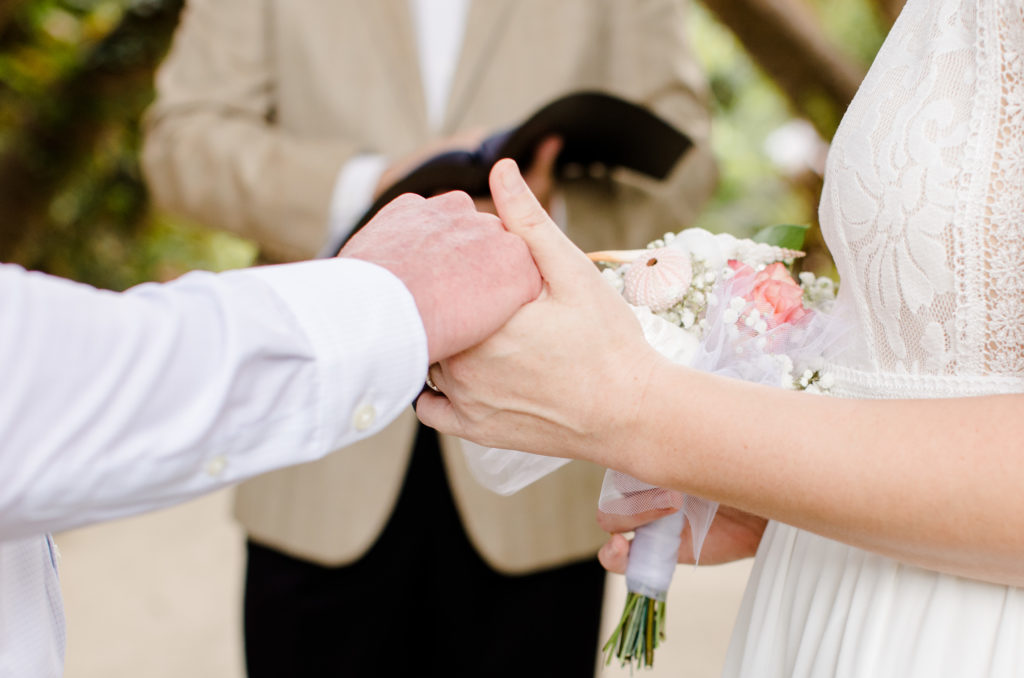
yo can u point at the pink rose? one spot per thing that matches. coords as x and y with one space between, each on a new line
774 293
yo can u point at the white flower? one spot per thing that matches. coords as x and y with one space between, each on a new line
785 363
614 279
671 316
819 292
688 318
805 378
703 246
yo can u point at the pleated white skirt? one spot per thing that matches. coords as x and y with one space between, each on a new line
815 607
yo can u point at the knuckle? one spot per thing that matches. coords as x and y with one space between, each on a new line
454 200
405 200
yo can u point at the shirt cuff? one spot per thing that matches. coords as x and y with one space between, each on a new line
367 336
353 195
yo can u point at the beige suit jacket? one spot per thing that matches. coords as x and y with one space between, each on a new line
261 103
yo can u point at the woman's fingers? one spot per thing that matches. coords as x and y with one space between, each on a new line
613 522
437 412
614 555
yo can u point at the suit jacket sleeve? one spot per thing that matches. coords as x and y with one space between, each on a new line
649 61
115 404
211 151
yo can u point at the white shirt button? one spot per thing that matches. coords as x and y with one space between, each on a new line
216 466
364 417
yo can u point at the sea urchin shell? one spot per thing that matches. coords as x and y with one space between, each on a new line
658 279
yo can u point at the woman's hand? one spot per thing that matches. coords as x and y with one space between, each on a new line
567 374
734 535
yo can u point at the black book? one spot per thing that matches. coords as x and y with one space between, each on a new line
595 128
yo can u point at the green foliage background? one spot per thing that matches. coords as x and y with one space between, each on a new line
76 75
748 107
75 78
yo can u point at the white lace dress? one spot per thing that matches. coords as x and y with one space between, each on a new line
924 211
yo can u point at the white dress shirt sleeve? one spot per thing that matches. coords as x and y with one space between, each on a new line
114 404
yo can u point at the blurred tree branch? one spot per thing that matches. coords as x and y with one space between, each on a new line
58 133
786 39
890 8
7 10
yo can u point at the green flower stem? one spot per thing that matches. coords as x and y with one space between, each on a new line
638 633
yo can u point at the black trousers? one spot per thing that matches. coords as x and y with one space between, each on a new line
421 602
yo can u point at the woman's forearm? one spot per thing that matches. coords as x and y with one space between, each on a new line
929 482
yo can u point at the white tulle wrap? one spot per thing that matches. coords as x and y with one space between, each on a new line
778 357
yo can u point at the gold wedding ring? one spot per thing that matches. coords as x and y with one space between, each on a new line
430 382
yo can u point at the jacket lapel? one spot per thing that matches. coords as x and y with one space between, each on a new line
486 21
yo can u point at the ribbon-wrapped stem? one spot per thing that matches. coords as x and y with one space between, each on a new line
652 561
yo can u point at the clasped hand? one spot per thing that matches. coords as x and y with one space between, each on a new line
554 364
566 376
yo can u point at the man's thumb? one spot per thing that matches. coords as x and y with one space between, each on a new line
524 216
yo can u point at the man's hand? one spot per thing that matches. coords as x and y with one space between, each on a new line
467 274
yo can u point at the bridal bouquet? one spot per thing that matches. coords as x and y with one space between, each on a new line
718 304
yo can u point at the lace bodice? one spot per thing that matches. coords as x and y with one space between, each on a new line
923 205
